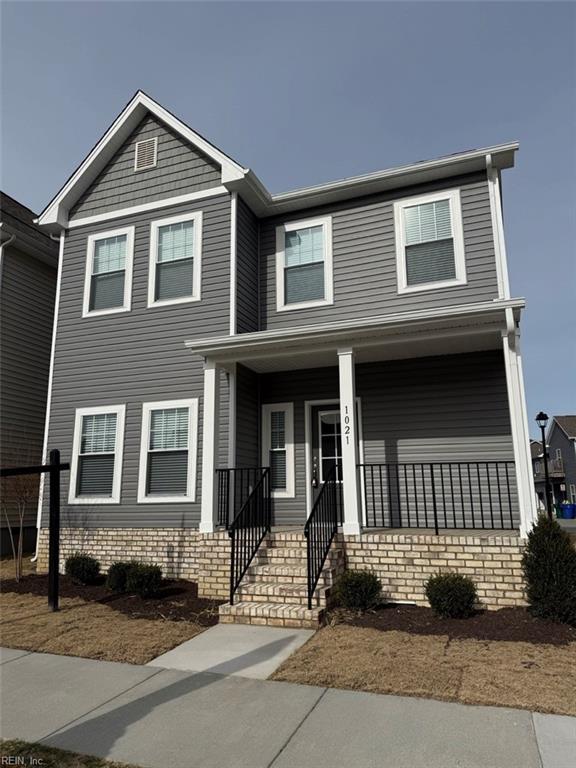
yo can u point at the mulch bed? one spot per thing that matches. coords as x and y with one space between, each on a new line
511 624
177 600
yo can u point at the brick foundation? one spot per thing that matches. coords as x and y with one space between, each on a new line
403 562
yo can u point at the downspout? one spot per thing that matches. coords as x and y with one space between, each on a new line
2 246
49 396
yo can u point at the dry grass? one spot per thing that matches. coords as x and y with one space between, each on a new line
49 757
87 629
499 673
7 568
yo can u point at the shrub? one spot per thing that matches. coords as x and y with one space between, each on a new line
451 595
358 590
549 564
117 576
143 579
82 569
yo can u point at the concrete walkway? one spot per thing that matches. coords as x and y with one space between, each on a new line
235 649
155 717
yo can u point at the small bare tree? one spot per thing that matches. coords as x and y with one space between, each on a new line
18 494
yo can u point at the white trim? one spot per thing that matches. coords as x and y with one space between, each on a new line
147 408
196 217
120 411
326 223
49 389
232 411
288 409
498 229
153 164
453 196
233 260
191 197
210 443
352 522
92 240
308 405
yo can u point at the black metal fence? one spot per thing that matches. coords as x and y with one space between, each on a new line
248 528
321 528
234 487
478 494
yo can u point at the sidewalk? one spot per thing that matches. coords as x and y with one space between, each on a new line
162 718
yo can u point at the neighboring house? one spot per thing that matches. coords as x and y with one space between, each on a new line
28 267
561 442
357 338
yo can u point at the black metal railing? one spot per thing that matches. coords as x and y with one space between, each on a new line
247 530
321 527
477 494
234 487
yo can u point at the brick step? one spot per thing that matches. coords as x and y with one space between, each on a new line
285 574
271 614
274 592
291 555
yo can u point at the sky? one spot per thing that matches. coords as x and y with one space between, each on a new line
310 92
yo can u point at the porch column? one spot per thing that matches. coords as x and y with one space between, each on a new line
519 427
352 506
210 432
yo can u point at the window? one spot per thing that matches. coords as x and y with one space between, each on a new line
559 454
168 452
145 154
429 242
304 264
96 466
175 260
537 467
278 447
108 282
573 494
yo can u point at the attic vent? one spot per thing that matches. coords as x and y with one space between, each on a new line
145 154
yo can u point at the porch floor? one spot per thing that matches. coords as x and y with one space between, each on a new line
482 533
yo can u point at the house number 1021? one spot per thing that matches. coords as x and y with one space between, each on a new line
347 425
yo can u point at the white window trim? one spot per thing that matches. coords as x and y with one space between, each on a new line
146 167
573 493
120 411
281 230
196 217
288 409
453 196
147 408
92 240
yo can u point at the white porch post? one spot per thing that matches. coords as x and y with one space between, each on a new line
519 426
210 433
352 506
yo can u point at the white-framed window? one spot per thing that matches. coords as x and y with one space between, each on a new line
573 493
278 447
175 260
108 279
145 154
558 454
168 451
304 264
429 242
96 466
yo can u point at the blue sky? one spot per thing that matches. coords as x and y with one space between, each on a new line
310 92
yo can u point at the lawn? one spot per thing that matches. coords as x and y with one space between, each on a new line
510 660
97 624
48 757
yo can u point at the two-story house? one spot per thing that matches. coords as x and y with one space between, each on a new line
561 452
342 358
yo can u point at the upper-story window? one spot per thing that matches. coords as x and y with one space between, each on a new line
175 260
108 282
304 264
429 242
145 154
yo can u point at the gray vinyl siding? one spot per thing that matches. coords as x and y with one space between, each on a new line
447 408
180 169
247 418
247 293
364 256
26 313
558 439
137 357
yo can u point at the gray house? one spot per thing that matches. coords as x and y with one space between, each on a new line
258 390
28 266
561 449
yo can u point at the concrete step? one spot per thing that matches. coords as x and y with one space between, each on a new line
274 592
285 574
271 614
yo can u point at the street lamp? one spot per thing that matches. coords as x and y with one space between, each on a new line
542 421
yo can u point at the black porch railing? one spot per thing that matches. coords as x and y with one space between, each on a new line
248 529
321 528
234 487
477 494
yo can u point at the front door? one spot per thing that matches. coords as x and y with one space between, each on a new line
326 446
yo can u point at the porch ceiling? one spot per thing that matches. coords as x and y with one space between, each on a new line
468 328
